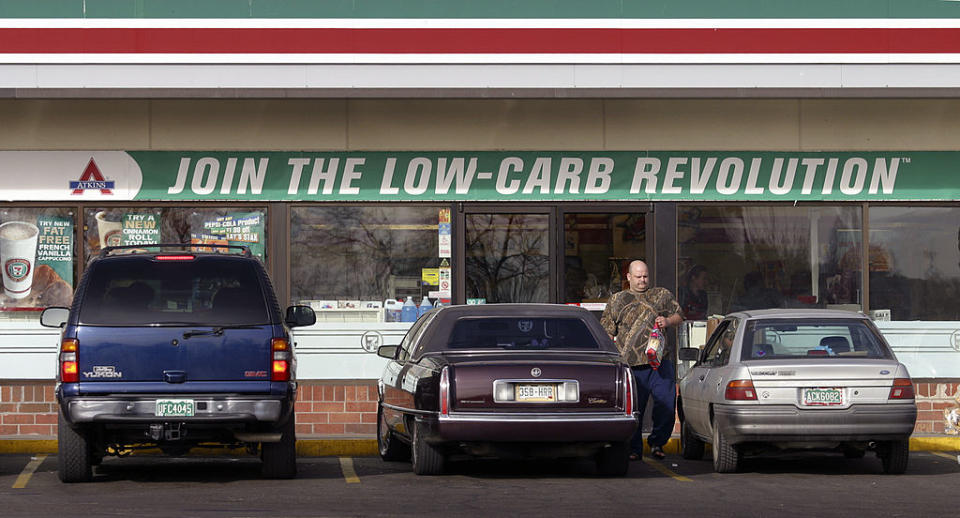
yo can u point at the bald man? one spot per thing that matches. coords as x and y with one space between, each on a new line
628 318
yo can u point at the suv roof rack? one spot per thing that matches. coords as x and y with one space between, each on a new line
244 250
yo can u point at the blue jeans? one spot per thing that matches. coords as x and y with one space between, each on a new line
662 384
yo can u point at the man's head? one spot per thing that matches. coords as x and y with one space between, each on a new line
638 276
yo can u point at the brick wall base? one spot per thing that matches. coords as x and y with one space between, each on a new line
349 408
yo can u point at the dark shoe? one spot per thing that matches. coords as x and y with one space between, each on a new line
634 456
657 453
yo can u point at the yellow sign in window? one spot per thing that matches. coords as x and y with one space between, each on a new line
430 276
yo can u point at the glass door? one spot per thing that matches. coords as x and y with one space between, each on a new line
507 255
598 247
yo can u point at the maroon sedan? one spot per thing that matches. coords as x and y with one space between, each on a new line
505 380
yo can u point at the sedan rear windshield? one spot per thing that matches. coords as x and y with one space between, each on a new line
782 339
521 333
174 293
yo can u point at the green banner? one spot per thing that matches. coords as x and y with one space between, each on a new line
55 247
548 175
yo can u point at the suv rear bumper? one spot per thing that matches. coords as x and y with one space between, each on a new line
209 410
771 423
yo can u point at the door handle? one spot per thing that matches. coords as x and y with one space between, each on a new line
702 376
174 376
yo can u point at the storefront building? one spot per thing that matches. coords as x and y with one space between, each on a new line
778 157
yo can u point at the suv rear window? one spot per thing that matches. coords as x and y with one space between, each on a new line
521 333
200 292
783 339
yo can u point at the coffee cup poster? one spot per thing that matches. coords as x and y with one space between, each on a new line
37 258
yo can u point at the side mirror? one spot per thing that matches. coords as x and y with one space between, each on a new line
689 354
298 316
387 351
54 317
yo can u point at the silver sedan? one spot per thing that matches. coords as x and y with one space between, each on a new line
784 378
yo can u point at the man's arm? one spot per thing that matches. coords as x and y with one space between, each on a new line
606 319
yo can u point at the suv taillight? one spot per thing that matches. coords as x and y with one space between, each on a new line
280 351
181 257
445 392
628 391
740 390
902 389
68 360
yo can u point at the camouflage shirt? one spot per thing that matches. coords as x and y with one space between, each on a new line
629 318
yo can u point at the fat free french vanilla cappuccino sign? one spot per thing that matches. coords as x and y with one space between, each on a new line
485 176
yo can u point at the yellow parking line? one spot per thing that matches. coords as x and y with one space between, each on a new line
27 472
663 469
349 474
945 455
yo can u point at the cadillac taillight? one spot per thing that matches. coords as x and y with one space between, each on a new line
902 389
445 391
280 349
628 402
68 360
740 390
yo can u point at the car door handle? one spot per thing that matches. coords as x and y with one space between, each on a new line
702 376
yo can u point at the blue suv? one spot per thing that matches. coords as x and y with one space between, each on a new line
173 350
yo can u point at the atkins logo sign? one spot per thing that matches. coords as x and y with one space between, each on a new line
92 178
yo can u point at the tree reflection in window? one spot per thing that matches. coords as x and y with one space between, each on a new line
361 253
507 257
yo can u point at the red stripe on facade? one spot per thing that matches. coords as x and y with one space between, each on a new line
476 41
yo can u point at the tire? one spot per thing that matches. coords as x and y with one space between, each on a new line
279 459
390 448
614 460
427 459
726 457
691 447
894 455
74 453
850 452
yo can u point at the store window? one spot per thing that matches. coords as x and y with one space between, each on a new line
740 258
129 226
362 263
914 262
598 249
38 255
507 258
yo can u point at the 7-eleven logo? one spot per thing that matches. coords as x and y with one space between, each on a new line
92 178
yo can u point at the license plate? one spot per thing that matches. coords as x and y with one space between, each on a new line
536 393
175 408
822 396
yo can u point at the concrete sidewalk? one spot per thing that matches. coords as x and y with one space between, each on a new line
365 446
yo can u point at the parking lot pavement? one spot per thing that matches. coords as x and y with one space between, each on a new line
786 485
